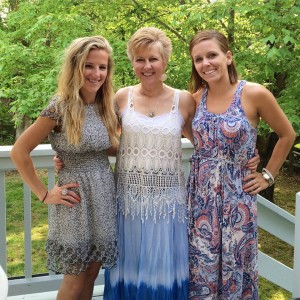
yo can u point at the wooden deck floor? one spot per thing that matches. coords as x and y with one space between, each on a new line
98 295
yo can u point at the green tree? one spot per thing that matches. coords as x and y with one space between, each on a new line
263 36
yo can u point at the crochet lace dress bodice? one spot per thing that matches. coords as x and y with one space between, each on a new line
149 173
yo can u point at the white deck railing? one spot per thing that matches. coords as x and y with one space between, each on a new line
270 217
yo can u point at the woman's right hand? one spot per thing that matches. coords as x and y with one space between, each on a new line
62 195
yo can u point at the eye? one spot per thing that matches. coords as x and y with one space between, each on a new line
198 59
139 60
103 68
88 66
212 55
153 59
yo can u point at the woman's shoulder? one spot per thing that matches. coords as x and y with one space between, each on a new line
121 98
255 89
52 110
186 96
197 96
187 102
123 92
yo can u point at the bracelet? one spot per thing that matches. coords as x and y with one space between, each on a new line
268 176
45 197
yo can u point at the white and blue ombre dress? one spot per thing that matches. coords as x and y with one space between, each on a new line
152 209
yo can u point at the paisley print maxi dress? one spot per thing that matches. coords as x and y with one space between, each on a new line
222 217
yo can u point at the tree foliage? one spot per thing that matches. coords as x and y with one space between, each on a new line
33 33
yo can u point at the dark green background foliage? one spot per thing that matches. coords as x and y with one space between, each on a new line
33 33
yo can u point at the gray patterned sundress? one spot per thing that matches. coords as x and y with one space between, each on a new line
85 233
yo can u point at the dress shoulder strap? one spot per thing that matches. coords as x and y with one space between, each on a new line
175 103
235 107
130 98
238 93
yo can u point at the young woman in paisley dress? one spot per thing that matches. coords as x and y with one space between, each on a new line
222 203
81 123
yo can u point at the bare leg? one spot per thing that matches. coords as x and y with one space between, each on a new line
90 278
79 287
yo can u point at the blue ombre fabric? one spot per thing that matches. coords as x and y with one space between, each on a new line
153 261
152 208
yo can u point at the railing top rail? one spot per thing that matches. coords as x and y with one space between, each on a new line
44 149
278 210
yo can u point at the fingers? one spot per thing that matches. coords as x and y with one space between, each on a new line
63 195
255 183
254 161
69 200
69 197
57 163
72 196
252 167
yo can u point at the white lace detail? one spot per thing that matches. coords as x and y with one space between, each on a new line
150 177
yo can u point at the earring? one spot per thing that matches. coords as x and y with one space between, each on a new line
163 77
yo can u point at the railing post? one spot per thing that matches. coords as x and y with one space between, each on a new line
296 271
3 248
27 232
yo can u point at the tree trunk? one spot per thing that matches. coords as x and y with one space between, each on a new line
265 146
25 123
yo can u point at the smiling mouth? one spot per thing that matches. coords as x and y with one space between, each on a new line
209 72
93 81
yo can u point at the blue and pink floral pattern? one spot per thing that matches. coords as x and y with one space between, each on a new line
222 217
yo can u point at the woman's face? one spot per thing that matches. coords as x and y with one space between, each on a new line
209 61
149 65
95 73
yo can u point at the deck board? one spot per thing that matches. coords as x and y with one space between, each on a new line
98 295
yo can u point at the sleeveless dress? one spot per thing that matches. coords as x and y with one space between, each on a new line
222 217
87 232
152 209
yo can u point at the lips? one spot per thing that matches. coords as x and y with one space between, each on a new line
147 74
209 72
93 81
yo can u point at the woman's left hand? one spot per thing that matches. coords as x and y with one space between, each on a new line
255 183
254 162
58 164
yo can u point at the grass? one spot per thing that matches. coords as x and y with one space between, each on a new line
284 196
286 187
15 228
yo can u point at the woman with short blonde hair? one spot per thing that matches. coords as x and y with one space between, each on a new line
151 193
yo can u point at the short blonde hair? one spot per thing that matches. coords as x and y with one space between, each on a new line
148 37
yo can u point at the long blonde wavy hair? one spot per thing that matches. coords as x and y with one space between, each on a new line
71 79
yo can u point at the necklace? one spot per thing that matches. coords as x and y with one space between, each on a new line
152 113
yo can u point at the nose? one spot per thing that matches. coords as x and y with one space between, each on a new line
97 72
147 64
205 61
